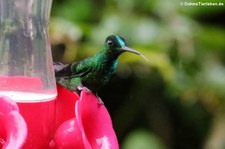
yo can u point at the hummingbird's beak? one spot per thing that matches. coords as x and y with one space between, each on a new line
127 49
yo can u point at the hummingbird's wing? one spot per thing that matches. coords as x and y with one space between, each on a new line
81 68
59 66
76 69
61 70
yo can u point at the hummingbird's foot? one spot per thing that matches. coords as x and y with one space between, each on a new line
80 87
100 102
88 90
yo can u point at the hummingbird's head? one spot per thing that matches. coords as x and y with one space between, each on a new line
117 44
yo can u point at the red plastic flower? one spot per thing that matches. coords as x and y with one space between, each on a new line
13 129
80 122
89 128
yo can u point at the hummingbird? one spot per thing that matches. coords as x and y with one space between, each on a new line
96 71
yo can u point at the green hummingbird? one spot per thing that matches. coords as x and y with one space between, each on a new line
96 71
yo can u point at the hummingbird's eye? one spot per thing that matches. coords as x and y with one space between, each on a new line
110 42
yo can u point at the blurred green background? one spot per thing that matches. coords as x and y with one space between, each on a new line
174 101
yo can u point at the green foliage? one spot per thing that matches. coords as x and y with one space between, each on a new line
142 139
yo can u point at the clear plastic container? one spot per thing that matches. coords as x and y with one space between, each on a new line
26 71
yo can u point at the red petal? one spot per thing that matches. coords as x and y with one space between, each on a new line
65 103
68 136
15 128
95 122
